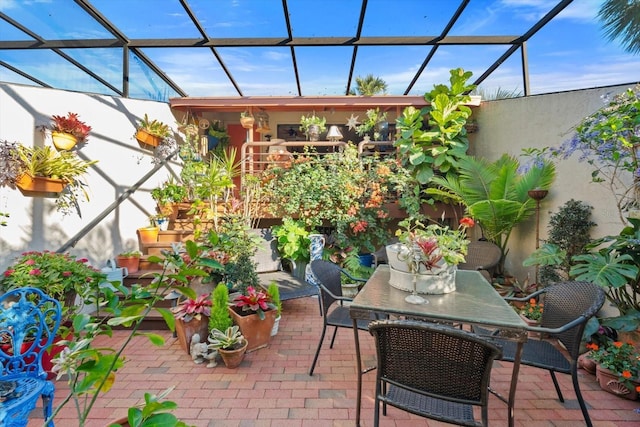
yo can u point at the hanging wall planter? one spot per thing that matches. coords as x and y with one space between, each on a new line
63 140
145 138
40 186
247 121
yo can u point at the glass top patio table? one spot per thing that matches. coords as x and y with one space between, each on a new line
474 302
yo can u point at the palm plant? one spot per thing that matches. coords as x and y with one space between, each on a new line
370 85
621 20
495 194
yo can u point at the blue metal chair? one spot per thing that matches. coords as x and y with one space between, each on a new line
29 321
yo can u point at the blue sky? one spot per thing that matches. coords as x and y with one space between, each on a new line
569 53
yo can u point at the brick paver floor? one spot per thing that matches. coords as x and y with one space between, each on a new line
272 387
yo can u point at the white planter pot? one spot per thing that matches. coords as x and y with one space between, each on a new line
426 283
349 290
276 325
399 250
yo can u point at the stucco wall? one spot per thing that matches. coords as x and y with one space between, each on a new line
508 126
34 224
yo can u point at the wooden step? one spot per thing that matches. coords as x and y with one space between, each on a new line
175 236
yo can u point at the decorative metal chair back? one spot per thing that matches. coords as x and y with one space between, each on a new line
432 370
328 275
29 321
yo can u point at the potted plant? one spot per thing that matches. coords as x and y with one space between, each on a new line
69 130
192 317
149 233
129 260
152 132
371 125
220 318
531 312
293 244
426 257
247 120
255 314
170 197
48 173
61 276
313 126
230 344
217 135
617 368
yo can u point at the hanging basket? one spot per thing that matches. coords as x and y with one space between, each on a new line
247 122
63 140
40 186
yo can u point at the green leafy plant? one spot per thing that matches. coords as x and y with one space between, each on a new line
613 262
71 124
169 191
368 126
568 235
306 121
154 127
130 254
153 413
438 149
495 194
293 239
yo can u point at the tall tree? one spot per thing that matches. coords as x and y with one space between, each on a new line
621 21
370 85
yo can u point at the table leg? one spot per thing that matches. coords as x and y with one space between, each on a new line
514 382
358 371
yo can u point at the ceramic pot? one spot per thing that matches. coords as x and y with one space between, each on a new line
63 141
148 234
530 322
276 326
609 382
233 358
146 139
256 331
186 330
349 290
315 252
313 132
442 282
587 363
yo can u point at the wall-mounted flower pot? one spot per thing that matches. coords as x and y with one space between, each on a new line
63 141
146 139
40 186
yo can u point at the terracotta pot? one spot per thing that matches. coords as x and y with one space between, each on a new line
587 363
40 186
609 382
63 141
186 330
132 264
256 331
233 358
145 138
530 322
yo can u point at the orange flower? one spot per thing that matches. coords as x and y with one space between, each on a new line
467 222
592 346
532 301
626 374
617 344
638 388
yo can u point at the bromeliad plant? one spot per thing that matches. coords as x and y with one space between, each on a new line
71 124
193 308
255 301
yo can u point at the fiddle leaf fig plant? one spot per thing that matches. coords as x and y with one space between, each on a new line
437 149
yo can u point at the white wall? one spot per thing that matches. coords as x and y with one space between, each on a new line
508 126
34 224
